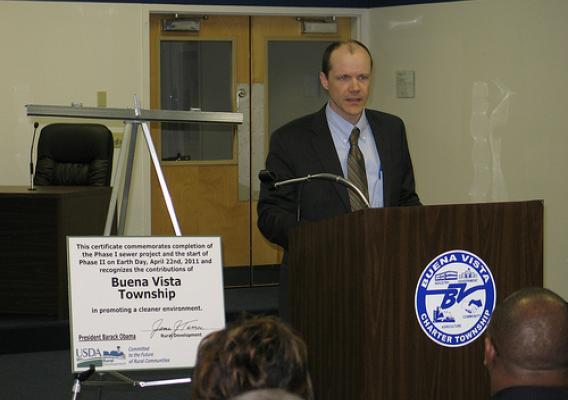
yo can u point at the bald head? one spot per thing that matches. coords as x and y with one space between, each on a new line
350 45
530 330
527 340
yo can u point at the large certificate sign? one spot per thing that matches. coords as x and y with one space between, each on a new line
142 302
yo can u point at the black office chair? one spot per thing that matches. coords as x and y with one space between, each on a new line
74 155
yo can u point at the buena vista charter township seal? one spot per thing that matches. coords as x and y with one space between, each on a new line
455 297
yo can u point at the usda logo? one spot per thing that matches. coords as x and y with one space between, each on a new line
455 297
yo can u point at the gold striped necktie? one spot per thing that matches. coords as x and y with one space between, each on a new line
356 172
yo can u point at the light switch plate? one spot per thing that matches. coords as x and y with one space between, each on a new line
405 84
102 99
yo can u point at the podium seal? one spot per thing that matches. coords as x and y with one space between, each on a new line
455 297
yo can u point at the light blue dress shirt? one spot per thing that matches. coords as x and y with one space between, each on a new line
340 132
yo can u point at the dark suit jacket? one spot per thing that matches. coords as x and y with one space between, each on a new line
305 146
532 393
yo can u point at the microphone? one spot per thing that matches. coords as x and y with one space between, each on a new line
267 176
32 158
270 178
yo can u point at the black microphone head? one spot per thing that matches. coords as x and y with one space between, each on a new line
36 124
267 176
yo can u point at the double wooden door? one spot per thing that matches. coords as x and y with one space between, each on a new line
264 67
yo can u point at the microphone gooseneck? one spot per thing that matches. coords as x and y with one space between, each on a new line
270 178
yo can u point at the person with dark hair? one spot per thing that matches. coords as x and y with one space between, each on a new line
526 347
255 353
367 147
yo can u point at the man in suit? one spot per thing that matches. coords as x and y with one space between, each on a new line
526 347
375 155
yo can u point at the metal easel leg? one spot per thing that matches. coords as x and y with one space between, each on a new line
81 377
127 178
119 174
161 179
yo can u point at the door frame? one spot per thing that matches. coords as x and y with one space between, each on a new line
141 188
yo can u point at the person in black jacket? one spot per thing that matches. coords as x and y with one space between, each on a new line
320 143
526 347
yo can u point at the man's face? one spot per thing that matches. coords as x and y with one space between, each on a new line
348 82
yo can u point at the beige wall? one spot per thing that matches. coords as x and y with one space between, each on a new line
488 122
58 53
506 142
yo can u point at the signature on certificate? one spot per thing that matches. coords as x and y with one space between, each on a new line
170 329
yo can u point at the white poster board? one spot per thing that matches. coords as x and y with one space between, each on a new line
142 302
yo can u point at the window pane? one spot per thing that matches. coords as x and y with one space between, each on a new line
293 75
196 75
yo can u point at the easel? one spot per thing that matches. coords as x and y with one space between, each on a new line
121 379
133 118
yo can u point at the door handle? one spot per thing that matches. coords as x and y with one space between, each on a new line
241 92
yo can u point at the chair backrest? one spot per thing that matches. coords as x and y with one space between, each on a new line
74 155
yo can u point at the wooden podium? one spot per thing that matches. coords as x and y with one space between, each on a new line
33 243
352 292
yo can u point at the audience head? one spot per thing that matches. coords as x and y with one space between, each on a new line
267 394
255 353
527 341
